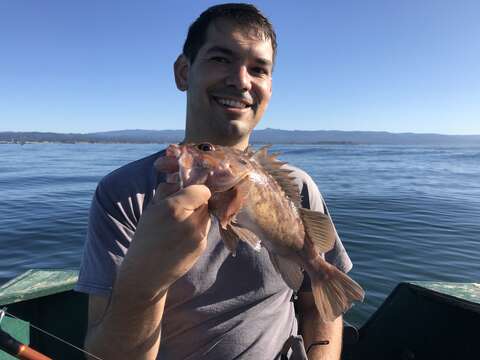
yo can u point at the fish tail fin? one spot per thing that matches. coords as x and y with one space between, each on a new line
334 292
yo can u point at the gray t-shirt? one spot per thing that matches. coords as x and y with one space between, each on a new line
225 307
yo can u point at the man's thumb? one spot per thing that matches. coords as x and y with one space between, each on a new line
192 197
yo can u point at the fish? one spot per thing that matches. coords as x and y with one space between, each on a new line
255 200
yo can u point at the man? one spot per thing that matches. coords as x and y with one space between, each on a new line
177 293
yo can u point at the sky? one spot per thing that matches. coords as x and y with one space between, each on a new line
371 65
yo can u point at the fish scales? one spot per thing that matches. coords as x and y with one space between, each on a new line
274 213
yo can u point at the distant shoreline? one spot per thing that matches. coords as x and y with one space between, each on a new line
264 136
169 142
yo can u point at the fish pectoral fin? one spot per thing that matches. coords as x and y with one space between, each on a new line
320 229
245 235
290 271
225 205
230 239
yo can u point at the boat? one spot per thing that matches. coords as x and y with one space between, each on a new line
418 320
422 320
44 299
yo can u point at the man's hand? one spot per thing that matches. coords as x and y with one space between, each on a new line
170 237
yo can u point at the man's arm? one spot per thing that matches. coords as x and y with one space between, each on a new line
313 329
169 238
133 333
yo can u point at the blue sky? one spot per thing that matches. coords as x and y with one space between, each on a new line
90 65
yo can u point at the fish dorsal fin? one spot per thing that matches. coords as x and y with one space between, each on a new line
249 151
275 168
320 229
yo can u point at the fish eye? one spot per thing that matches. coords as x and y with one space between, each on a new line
206 147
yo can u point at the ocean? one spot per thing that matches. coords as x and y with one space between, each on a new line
403 212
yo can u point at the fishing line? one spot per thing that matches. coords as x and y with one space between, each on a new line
53 336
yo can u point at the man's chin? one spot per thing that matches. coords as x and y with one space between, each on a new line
238 129
233 132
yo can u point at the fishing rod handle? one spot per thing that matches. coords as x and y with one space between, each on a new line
19 350
27 353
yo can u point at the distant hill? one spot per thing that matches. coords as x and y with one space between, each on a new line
272 136
360 137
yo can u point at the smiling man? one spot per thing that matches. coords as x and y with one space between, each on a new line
162 284
228 83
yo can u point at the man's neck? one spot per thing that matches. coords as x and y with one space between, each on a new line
238 144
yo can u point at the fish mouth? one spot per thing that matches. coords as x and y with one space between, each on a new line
174 150
183 178
182 168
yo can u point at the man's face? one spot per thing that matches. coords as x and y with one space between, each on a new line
228 85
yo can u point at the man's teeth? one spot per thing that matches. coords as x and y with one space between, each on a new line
232 103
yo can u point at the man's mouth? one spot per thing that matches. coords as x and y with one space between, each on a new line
231 103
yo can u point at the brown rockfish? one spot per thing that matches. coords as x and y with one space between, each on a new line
255 200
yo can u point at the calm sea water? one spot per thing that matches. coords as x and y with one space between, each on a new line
403 212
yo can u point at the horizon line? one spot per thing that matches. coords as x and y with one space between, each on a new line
267 128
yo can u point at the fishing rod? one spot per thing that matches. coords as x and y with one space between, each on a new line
14 347
21 351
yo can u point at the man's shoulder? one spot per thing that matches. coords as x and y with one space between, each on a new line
298 173
137 175
310 193
302 178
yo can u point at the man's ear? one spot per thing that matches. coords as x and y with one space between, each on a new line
180 69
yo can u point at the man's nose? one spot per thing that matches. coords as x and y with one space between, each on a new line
239 77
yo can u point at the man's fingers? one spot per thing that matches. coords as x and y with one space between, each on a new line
191 197
188 198
164 190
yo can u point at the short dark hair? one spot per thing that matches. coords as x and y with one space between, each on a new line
245 15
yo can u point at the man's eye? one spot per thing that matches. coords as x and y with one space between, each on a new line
260 70
220 59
